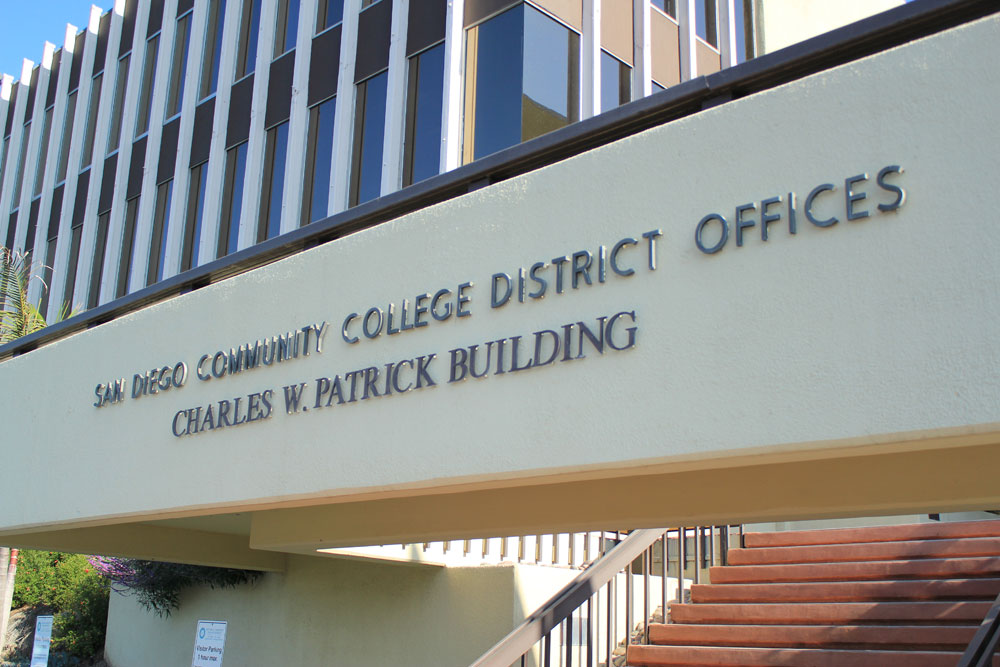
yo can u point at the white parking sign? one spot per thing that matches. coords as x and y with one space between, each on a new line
209 644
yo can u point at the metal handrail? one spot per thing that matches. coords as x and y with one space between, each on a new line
984 643
537 626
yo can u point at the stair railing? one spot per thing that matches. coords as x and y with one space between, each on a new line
984 643
589 606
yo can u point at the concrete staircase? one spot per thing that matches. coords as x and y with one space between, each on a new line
856 597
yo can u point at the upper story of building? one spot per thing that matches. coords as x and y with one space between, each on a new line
167 134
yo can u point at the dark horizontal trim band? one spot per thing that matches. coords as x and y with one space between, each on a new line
877 33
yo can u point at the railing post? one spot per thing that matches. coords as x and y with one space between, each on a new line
681 561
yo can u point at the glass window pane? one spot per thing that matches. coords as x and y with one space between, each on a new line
128 246
331 12
496 93
50 261
196 208
666 6
269 224
616 82
246 55
74 259
286 28
551 75
182 39
3 156
423 116
232 200
19 175
97 268
117 105
88 140
213 48
158 239
706 21
67 137
43 152
146 89
369 135
319 161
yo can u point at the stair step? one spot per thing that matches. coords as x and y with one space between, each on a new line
916 531
860 637
827 553
849 591
705 656
946 568
819 613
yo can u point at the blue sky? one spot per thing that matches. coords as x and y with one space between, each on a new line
31 23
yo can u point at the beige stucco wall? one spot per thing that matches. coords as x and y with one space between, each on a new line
881 330
326 611
781 23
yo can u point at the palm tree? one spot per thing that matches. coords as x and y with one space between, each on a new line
18 316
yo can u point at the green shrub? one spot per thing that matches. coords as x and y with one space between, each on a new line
80 626
76 593
49 577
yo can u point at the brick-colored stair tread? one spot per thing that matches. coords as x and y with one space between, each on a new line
705 656
818 613
849 591
826 553
859 637
944 568
916 531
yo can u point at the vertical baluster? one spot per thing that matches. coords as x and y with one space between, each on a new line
697 554
743 539
568 639
724 546
628 605
681 561
590 631
711 547
647 565
609 621
664 544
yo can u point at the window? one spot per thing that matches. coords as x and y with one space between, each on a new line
67 137
232 200
286 27
193 220
76 234
146 88
19 174
707 22
97 268
330 13
128 246
369 135
158 239
668 7
213 48
275 150
178 65
246 54
616 82
319 162
3 157
425 91
117 105
506 104
43 152
50 260
88 138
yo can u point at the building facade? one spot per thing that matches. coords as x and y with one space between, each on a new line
166 135
383 274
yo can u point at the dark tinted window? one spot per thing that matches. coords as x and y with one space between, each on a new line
369 135
423 115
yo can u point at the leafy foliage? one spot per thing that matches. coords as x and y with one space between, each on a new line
73 589
18 316
157 586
